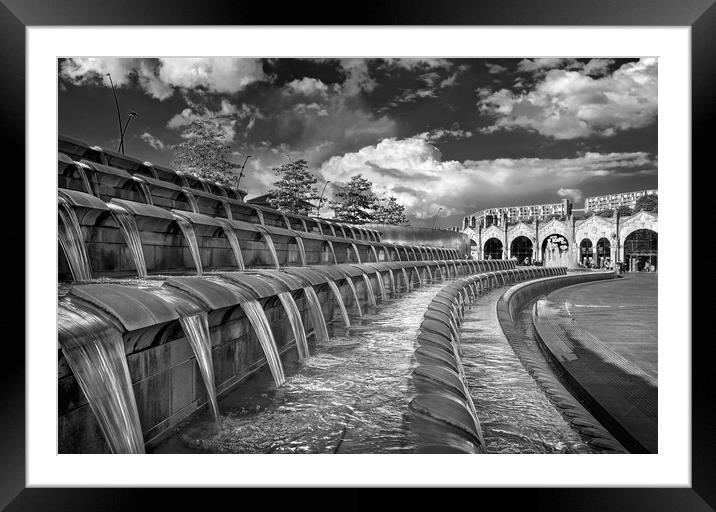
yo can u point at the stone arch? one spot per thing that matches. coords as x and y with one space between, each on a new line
553 227
493 248
587 250
641 249
522 248
640 220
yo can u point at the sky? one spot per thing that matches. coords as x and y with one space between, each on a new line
458 134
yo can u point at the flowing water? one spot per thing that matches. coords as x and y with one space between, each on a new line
187 229
257 317
515 414
146 193
417 274
94 351
234 242
350 396
294 316
339 298
352 286
83 176
369 290
196 330
392 281
128 226
381 285
192 200
333 251
406 279
69 234
272 249
320 330
301 250
375 253
355 251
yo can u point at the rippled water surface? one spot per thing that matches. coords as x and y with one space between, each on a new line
350 396
515 414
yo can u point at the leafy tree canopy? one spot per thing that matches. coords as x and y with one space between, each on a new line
205 154
648 203
354 203
295 189
390 212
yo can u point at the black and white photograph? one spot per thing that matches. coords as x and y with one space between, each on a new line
325 255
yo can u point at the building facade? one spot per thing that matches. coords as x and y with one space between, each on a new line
498 216
612 201
594 242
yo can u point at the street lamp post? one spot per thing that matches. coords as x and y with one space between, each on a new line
121 138
238 181
435 219
320 201
116 104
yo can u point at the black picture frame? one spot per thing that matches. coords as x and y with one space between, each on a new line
17 15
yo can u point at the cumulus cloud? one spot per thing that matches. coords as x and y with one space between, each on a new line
531 65
573 193
414 171
306 86
494 69
572 104
153 141
159 78
225 118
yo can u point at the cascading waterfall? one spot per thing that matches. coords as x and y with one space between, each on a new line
333 251
417 273
257 317
392 281
381 284
69 234
352 286
128 226
369 290
430 272
260 215
301 250
227 209
406 279
192 200
144 188
234 243
320 331
375 253
339 298
272 249
187 229
355 251
294 316
94 351
85 180
196 330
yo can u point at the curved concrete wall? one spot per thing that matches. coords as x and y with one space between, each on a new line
424 236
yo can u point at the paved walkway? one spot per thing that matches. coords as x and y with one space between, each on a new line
603 335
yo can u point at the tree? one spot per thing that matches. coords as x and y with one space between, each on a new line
624 211
392 212
609 212
648 203
205 154
355 202
295 189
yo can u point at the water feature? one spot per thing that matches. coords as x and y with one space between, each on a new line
351 396
381 285
144 189
417 274
392 281
257 317
192 200
83 176
294 316
187 229
94 351
128 226
69 234
369 290
272 249
375 253
234 243
333 251
196 329
355 251
406 279
352 286
320 330
301 250
339 298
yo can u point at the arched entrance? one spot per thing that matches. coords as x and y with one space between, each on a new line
521 249
474 249
640 250
604 254
555 251
586 252
493 249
